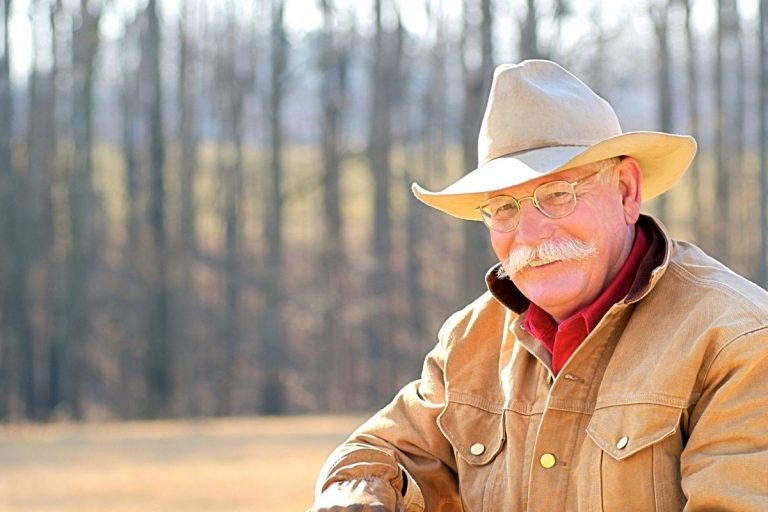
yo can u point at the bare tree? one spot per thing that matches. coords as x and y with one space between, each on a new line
273 392
68 350
529 32
187 131
334 58
727 120
236 76
693 115
10 342
476 40
385 81
132 74
187 246
158 356
431 169
36 209
659 13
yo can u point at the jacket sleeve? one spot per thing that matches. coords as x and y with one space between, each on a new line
402 443
724 462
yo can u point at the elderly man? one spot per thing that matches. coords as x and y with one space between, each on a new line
608 367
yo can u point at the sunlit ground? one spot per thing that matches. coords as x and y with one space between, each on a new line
252 464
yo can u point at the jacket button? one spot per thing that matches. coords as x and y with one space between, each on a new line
477 449
622 443
547 461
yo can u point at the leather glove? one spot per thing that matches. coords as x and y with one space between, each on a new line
372 495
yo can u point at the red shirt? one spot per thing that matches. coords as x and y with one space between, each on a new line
562 340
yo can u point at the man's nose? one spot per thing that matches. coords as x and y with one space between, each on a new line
533 225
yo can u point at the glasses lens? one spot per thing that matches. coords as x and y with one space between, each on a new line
556 199
500 214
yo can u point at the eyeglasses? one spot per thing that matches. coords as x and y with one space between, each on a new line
555 199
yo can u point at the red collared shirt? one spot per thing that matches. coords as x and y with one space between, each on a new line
563 339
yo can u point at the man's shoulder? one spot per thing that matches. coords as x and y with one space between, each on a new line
482 316
712 286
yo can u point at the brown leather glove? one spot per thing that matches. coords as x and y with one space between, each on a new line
371 495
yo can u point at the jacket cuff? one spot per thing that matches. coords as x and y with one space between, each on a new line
373 464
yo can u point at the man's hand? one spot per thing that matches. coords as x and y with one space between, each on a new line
374 495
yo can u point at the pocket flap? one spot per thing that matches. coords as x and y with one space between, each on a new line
623 430
476 434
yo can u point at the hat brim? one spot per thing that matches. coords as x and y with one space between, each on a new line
663 158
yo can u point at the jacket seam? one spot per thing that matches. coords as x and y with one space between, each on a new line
726 345
618 400
463 398
681 271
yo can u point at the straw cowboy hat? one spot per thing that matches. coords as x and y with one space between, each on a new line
541 120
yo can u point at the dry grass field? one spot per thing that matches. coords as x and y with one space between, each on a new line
233 465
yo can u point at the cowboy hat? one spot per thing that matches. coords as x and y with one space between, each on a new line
541 120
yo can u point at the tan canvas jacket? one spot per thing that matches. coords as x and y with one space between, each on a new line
663 407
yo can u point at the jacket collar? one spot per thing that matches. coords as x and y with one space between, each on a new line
651 268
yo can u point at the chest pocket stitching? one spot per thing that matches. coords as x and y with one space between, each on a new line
643 424
464 425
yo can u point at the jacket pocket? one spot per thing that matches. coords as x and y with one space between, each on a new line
475 433
477 436
639 456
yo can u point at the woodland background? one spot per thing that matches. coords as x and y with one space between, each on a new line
205 205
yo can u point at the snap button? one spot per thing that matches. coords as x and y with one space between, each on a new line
477 449
547 461
622 443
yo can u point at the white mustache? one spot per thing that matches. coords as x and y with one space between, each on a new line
547 252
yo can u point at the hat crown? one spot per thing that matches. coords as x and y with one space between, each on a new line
538 104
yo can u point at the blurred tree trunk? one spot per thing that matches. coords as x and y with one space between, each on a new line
42 165
7 226
158 361
597 78
385 78
187 132
529 33
763 141
132 75
273 361
726 81
659 13
694 120
476 39
185 291
129 100
68 351
431 166
237 77
37 208
334 56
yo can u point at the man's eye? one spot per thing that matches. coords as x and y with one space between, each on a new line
505 210
557 197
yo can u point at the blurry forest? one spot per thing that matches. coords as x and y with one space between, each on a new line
205 204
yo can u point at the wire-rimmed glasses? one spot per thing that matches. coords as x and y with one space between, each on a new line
555 199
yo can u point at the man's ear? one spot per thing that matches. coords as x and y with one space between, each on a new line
630 183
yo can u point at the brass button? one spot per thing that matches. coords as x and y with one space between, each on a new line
477 449
547 461
622 443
